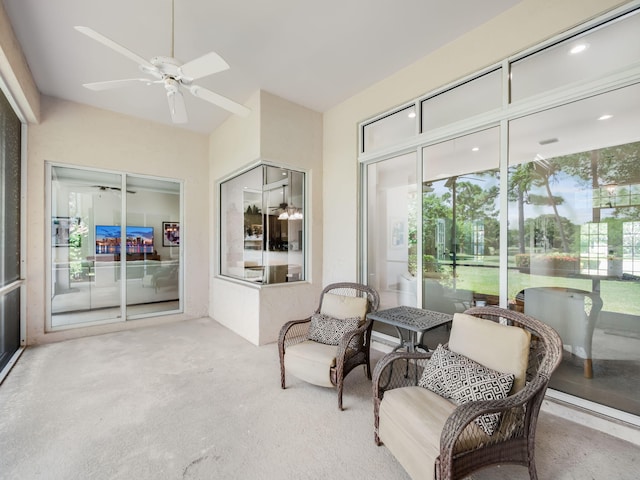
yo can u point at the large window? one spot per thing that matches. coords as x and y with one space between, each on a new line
115 246
573 238
460 223
453 105
529 199
391 229
584 56
262 218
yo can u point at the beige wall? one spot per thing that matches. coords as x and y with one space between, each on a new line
526 24
15 72
79 135
285 133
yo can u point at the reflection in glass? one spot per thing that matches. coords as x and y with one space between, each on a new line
89 246
391 231
454 105
262 215
594 53
152 245
390 129
460 222
574 240
85 283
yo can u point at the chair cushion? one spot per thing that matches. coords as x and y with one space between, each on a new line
463 380
329 330
410 422
499 347
311 361
342 306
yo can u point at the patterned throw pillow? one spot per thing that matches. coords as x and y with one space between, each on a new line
455 376
329 330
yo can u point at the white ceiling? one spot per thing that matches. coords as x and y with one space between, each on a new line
314 53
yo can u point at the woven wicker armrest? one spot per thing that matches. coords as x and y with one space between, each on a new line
294 331
343 346
511 406
397 370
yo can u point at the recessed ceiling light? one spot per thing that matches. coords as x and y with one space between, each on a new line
605 117
412 114
581 47
475 149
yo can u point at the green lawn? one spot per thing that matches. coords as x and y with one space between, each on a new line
618 296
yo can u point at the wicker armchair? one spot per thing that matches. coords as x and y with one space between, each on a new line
455 446
324 364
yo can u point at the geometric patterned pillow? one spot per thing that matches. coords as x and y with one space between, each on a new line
329 330
434 373
464 380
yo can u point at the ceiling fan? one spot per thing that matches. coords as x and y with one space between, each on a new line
172 74
104 188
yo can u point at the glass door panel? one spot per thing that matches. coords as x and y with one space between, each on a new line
152 246
460 222
574 239
391 231
86 215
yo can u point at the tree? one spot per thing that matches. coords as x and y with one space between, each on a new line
547 231
473 203
520 181
543 173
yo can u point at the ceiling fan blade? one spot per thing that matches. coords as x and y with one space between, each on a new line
109 84
114 46
203 66
219 100
177 107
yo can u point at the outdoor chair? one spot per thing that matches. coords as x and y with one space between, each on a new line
572 313
471 403
323 348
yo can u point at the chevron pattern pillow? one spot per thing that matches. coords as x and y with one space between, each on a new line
459 378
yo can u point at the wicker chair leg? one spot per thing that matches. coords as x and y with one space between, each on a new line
533 475
340 382
282 376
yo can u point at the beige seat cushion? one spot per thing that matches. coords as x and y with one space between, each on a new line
410 423
311 361
500 347
341 306
411 420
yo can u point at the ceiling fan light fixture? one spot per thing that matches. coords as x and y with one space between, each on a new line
173 73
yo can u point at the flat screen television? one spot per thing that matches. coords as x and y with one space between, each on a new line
139 239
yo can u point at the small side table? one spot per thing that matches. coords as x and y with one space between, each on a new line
414 320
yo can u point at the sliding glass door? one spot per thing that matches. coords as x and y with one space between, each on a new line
111 250
574 239
530 200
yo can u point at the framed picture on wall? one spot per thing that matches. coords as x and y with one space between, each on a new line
64 232
170 234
